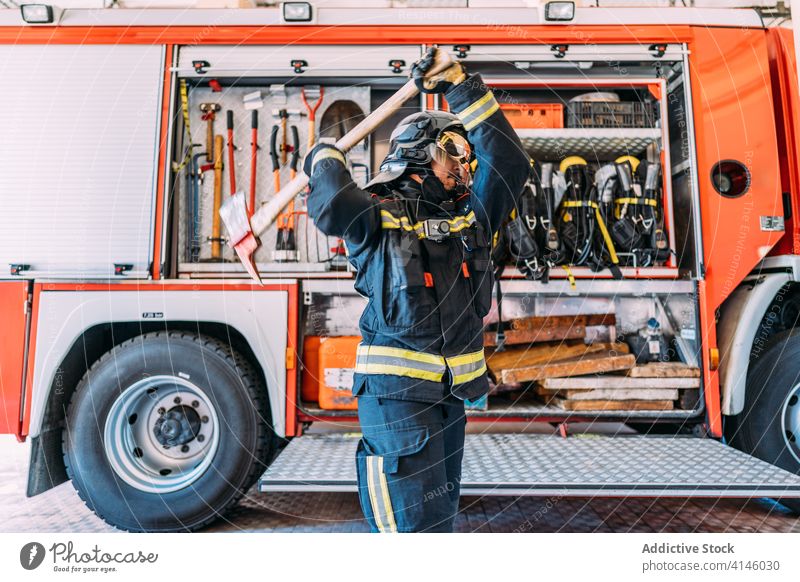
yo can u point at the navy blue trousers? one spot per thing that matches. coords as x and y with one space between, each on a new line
409 463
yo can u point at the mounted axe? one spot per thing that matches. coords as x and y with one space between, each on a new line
244 232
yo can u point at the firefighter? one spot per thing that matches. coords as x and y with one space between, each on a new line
419 237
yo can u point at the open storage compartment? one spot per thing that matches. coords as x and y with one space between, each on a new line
277 95
580 315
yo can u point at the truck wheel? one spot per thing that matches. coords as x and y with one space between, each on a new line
769 425
166 432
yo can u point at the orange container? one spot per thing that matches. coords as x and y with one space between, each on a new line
309 383
337 362
534 115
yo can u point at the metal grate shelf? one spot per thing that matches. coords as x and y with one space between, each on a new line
591 143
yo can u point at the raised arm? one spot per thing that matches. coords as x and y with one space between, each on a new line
503 165
336 205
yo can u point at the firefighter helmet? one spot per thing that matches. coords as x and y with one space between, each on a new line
418 139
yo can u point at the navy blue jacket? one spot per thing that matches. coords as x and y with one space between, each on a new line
422 329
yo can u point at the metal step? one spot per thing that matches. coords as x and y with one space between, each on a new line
579 465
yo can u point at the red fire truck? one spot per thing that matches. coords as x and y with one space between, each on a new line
143 364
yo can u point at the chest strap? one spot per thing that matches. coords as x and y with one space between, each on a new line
419 365
433 228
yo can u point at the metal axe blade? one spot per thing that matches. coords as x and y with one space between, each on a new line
234 216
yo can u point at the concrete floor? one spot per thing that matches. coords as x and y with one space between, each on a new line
61 510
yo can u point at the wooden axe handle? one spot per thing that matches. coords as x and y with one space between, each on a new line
267 214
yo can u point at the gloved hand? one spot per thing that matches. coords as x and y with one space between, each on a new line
441 82
334 152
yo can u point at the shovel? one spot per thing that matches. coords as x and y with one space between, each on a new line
244 232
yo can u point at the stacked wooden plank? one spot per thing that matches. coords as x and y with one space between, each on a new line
529 330
634 391
574 375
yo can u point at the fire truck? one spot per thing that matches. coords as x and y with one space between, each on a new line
143 364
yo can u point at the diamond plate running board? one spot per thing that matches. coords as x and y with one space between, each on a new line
580 465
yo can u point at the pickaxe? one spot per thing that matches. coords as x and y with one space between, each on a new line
243 232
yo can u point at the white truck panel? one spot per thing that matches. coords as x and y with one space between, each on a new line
261 317
79 160
738 324
328 61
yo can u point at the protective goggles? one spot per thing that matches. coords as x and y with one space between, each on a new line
453 145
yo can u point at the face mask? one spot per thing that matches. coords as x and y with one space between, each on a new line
433 192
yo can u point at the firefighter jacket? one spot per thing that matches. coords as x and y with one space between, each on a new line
427 294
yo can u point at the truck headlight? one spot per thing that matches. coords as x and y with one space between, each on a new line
297 12
37 13
559 11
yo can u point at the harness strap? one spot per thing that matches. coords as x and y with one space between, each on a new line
570 276
600 222
646 201
185 110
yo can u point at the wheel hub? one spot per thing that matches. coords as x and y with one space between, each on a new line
161 434
177 426
791 422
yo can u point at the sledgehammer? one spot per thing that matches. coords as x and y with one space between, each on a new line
243 233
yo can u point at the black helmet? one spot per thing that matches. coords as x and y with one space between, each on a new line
414 141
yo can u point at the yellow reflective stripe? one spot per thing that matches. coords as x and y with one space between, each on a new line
386 215
472 124
363 350
387 502
645 201
327 153
606 236
389 221
457 224
475 106
478 111
570 276
461 222
467 376
370 368
373 500
465 359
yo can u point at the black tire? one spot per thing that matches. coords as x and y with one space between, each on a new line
242 441
771 383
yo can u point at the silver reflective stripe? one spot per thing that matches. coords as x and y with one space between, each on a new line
467 367
379 498
399 362
365 360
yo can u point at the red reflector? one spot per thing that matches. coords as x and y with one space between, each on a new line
465 270
428 280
